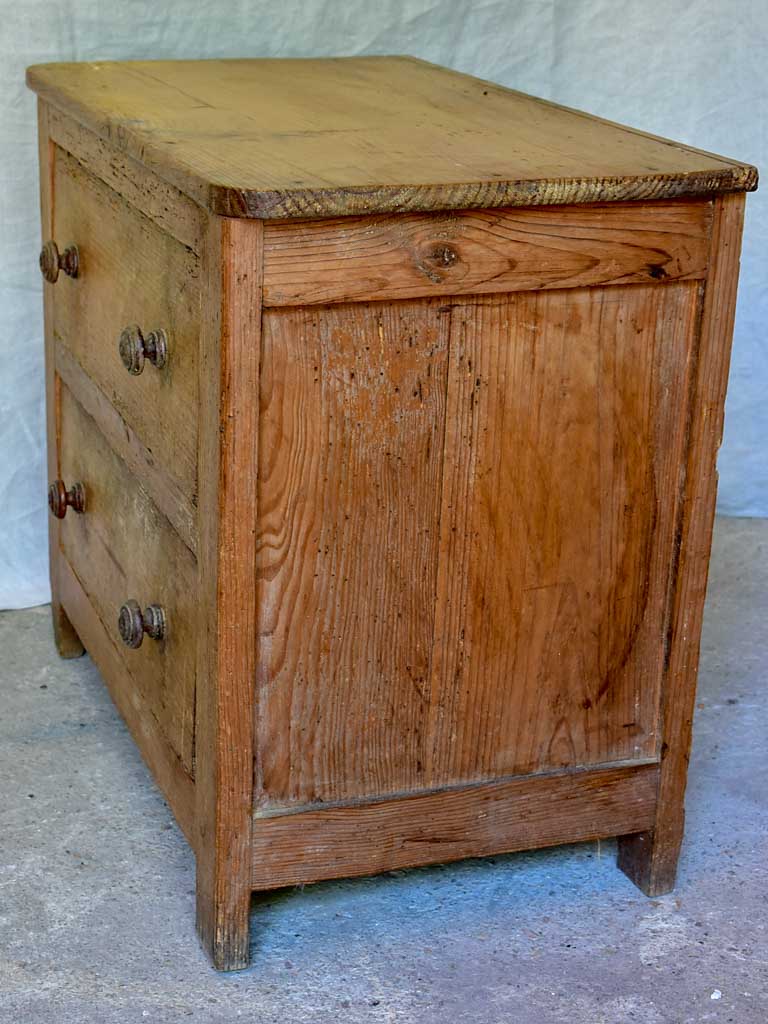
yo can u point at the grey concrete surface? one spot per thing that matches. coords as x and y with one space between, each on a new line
97 884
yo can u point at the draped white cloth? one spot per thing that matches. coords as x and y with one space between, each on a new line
693 70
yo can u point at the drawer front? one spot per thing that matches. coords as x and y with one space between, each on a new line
121 547
130 273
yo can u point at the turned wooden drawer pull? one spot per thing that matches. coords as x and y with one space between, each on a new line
52 261
60 499
136 347
133 623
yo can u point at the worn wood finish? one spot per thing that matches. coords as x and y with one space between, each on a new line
120 548
363 135
67 641
175 505
170 209
650 859
513 814
351 441
176 785
475 252
567 414
543 519
427 488
130 273
229 450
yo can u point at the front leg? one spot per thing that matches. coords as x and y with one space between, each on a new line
223 911
227 663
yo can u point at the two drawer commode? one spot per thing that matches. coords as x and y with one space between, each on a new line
383 410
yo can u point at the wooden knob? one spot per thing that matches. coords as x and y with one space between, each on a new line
135 348
52 261
60 499
133 623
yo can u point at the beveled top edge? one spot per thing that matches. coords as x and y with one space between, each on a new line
205 127
351 202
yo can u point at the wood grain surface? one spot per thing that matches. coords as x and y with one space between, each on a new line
513 814
172 211
351 447
427 488
170 499
466 513
362 135
121 547
67 641
466 252
650 859
566 429
226 649
166 767
131 273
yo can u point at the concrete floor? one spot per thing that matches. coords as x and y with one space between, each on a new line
97 884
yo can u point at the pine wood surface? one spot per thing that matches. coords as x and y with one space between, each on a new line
484 251
67 641
650 859
122 547
131 273
177 506
330 137
516 460
566 429
427 489
351 442
226 650
175 213
166 767
511 814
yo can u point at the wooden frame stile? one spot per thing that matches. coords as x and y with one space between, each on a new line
67 641
225 700
650 858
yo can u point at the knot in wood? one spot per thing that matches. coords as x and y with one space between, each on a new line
443 255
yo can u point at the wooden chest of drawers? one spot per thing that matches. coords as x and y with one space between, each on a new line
384 406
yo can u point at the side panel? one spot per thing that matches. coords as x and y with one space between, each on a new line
566 431
467 516
351 448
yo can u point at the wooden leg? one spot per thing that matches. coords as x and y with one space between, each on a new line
227 667
223 912
649 859
68 643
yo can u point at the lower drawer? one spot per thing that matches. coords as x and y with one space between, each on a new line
122 548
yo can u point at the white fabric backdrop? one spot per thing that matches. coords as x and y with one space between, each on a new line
694 70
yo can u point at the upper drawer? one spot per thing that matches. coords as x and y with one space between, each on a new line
130 272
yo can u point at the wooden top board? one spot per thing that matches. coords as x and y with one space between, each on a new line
288 139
